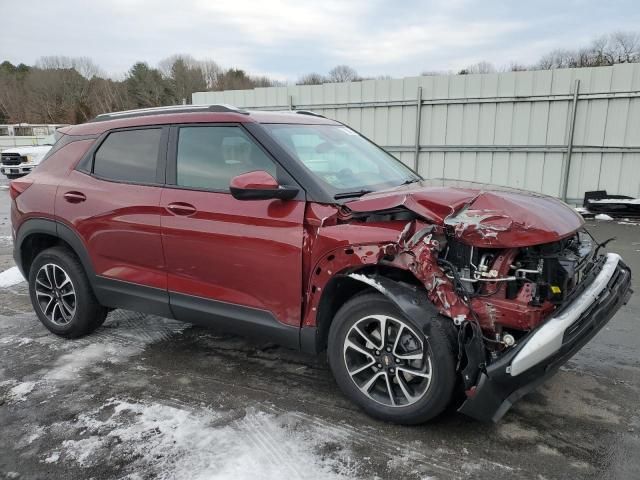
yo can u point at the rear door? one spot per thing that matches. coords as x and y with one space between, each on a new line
226 257
115 207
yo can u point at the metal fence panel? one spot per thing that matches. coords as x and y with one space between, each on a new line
514 128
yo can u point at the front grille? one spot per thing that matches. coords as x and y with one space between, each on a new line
12 159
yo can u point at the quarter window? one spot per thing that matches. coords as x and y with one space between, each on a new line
129 156
209 157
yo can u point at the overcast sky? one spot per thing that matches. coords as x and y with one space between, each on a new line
287 38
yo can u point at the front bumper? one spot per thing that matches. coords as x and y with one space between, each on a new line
16 169
539 355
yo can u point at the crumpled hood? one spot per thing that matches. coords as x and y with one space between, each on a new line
497 217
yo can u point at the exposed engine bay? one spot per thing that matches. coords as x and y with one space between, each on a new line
495 296
504 291
540 277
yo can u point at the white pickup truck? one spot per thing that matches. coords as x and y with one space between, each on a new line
18 161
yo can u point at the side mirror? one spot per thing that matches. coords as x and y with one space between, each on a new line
259 185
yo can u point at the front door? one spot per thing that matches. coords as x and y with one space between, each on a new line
225 257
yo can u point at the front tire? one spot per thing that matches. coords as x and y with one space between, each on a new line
383 362
61 295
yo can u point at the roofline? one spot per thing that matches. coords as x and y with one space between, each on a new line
144 112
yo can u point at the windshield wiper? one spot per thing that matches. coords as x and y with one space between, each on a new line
357 193
410 181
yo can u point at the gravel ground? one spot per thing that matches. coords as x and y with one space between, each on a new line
145 397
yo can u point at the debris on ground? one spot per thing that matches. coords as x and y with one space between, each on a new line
599 201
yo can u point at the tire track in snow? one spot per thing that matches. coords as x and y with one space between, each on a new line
356 436
258 432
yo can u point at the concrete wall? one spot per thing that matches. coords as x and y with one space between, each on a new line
512 128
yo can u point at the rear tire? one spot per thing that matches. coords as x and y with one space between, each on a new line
62 296
375 373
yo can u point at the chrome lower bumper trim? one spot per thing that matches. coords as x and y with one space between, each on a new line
548 338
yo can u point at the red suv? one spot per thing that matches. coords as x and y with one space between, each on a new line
298 230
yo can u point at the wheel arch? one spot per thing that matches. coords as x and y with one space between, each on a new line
37 234
396 284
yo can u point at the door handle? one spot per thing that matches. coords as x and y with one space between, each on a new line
181 208
74 197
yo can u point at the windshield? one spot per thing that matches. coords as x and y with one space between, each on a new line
345 162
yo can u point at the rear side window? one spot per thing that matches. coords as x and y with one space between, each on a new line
129 156
209 157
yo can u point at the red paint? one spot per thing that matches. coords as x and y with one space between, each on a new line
119 224
243 252
280 255
16 187
501 219
258 180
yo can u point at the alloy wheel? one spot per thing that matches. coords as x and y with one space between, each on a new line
387 360
55 294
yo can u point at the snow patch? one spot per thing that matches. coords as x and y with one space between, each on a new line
10 277
173 443
603 216
36 433
582 210
70 365
20 391
628 201
6 240
53 458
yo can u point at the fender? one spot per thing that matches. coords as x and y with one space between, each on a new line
55 229
410 299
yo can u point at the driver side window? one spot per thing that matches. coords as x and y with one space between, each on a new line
209 157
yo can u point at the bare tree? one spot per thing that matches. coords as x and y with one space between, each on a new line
311 79
480 67
343 73
626 46
83 65
184 76
433 73
516 67
210 71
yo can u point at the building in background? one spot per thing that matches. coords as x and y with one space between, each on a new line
25 134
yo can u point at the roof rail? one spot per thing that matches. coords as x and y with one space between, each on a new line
309 112
143 112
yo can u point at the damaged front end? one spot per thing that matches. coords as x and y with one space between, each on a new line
524 295
520 312
531 307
